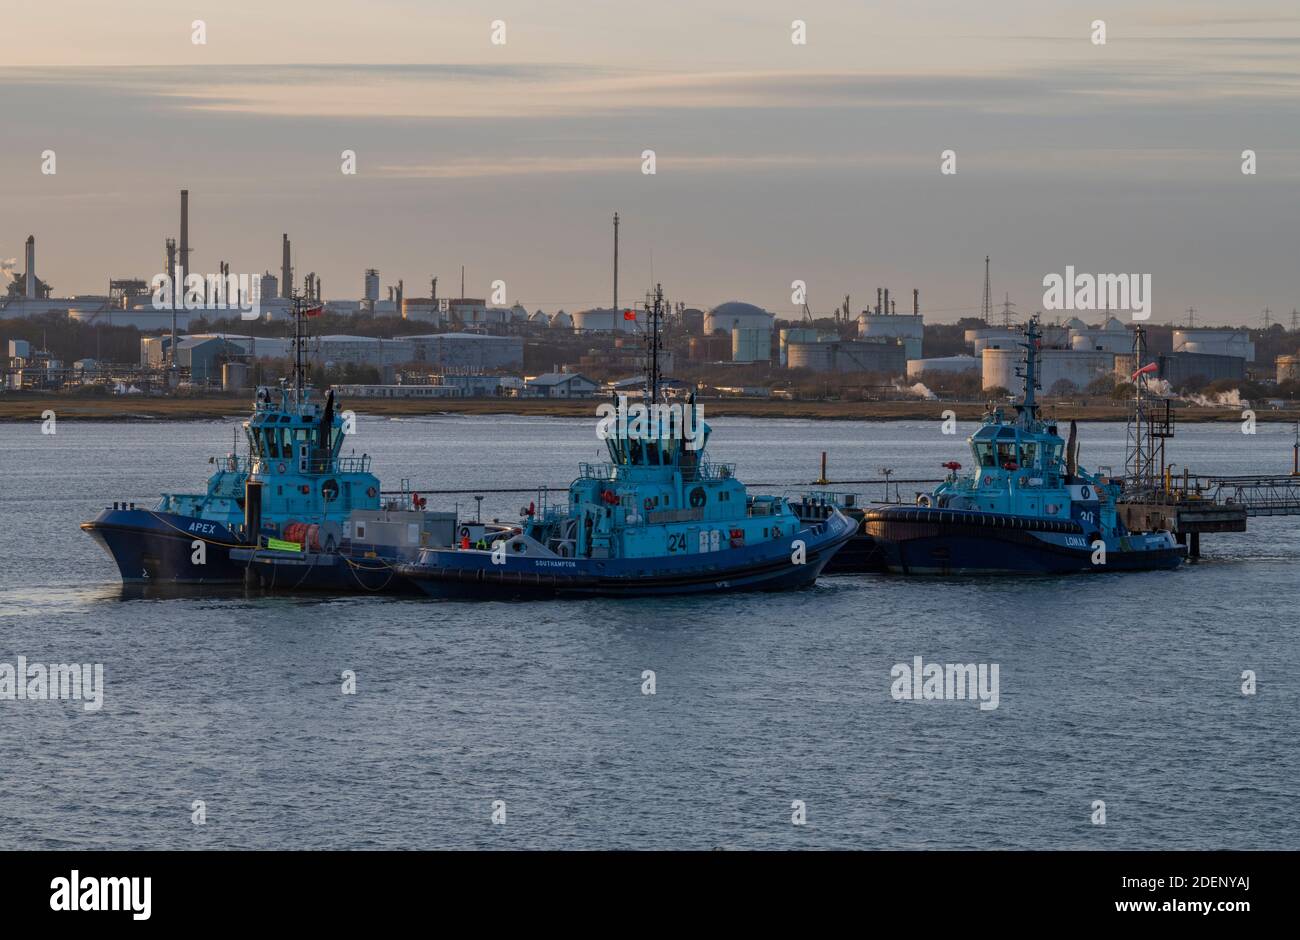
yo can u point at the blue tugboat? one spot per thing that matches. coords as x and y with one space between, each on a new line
657 519
294 513
1028 507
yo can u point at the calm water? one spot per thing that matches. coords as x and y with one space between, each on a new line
1122 688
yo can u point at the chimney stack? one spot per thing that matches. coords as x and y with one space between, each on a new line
177 291
916 301
886 300
286 271
31 267
185 232
877 300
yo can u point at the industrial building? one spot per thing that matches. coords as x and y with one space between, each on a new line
1288 368
1181 369
560 385
849 356
467 352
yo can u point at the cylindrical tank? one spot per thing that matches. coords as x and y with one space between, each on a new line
1215 343
234 376
949 365
269 286
1288 368
602 320
1078 367
751 345
819 357
693 321
372 284
794 334
424 309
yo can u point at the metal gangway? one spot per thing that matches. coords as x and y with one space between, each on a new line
1260 495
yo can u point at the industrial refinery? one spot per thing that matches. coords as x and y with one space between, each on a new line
179 331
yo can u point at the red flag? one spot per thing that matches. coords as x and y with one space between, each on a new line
629 314
1149 367
312 311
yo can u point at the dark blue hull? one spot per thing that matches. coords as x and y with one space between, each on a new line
151 547
768 567
348 572
939 542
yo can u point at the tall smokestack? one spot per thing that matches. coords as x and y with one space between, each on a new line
433 289
31 267
916 301
185 232
878 300
616 262
886 300
170 247
286 271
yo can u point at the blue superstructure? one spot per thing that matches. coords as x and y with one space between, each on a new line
658 518
295 488
1028 507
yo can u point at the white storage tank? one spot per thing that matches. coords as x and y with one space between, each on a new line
794 334
751 345
1215 343
1078 367
602 320
727 317
950 365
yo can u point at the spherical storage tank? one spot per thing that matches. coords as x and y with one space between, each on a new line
734 314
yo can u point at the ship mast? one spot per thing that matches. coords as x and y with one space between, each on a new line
653 313
1027 410
298 376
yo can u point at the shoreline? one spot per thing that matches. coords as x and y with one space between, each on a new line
18 408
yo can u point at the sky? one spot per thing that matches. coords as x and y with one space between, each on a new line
774 161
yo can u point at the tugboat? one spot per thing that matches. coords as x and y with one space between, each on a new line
658 518
1028 508
294 513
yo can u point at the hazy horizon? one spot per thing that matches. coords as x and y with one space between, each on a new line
775 162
